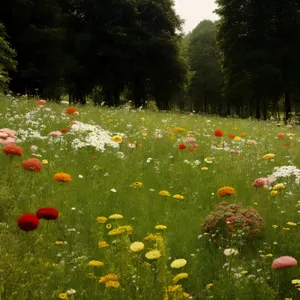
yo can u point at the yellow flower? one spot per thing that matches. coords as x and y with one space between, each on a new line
160 227
63 296
121 229
96 263
44 161
59 243
115 217
204 169
108 226
137 184
237 138
153 237
142 119
178 130
243 134
296 281
291 223
244 272
137 247
112 283
174 288
109 277
144 133
288 298
101 219
208 160
278 186
180 276
117 138
286 229
269 255
273 193
109 120
208 286
153 254
164 193
269 156
102 244
275 226
38 155
178 197
235 128
178 263
290 134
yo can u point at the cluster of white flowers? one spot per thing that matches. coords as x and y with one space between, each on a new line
91 135
286 171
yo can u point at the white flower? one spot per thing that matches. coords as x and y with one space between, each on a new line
113 190
80 176
231 251
71 292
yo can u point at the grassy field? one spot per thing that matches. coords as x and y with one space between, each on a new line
120 161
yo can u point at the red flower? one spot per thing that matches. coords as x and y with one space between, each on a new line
40 102
286 145
32 164
70 110
47 213
281 135
191 149
218 133
28 222
231 136
64 130
182 146
12 149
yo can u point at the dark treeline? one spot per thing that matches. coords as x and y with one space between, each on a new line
245 64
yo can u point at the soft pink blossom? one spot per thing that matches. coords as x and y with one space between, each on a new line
284 262
7 136
190 139
263 182
289 126
55 133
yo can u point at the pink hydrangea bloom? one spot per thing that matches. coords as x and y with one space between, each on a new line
284 262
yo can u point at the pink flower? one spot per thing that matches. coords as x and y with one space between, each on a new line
284 262
195 145
289 126
234 151
263 182
190 139
7 136
55 133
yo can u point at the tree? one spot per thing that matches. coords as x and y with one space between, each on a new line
206 84
7 62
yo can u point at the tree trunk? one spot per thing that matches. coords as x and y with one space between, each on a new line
205 104
228 109
287 105
257 111
265 112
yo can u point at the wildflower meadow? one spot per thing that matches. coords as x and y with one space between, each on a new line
123 203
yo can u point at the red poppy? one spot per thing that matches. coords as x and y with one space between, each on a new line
28 222
70 110
231 136
281 135
32 164
40 102
47 213
218 133
286 145
12 149
182 146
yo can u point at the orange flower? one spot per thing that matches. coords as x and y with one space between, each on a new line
12 149
218 133
32 164
231 136
63 177
226 191
70 110
64 130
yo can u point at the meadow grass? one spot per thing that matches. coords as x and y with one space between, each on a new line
34 266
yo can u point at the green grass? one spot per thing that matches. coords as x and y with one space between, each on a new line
34 267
